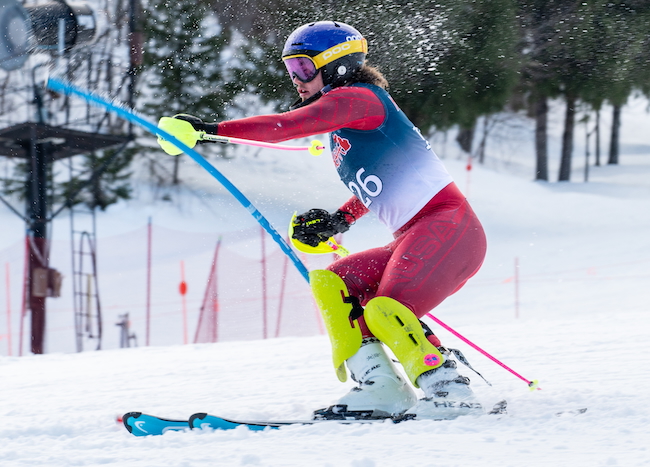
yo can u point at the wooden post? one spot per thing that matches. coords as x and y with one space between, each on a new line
38 254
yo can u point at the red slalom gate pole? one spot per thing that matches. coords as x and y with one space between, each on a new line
264 289
182 288
148 298
516 287
23 304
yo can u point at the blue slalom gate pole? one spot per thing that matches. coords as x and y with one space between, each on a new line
67 88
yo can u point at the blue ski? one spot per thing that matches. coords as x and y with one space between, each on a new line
201 421
140 424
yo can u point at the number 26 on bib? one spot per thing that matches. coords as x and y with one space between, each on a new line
366 188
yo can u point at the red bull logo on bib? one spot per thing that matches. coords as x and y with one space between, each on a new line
340 149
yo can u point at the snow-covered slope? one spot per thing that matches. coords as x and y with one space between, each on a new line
579 325
59 410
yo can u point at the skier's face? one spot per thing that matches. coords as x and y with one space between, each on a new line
306 90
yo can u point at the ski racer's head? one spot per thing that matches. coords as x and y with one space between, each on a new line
329 49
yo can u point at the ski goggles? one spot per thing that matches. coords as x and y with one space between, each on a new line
301 67
305 68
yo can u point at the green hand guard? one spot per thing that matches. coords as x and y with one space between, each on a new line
181 130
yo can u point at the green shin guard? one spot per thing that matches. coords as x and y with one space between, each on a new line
345 336
398 328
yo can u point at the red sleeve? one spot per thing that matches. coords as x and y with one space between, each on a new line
355 207
345 107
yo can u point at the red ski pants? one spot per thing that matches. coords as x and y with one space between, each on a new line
432 257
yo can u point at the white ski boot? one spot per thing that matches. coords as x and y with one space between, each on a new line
382 392
447 395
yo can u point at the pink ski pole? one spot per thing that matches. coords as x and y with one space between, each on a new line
315 148
534 384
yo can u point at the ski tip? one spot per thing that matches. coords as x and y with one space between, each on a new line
126 417
197 416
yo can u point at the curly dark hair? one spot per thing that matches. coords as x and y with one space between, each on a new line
369 75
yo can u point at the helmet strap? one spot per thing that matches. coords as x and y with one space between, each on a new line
300 103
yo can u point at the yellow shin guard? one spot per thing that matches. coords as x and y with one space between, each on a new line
329 291
398 328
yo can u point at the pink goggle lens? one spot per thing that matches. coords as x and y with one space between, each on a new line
302 68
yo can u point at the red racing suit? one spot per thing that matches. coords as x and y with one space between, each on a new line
438 241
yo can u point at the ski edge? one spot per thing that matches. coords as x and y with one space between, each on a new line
201 421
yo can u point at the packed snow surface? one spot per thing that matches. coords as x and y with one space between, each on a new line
579 325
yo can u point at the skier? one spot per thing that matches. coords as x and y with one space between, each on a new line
376 297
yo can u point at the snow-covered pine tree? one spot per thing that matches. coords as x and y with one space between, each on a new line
182 62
